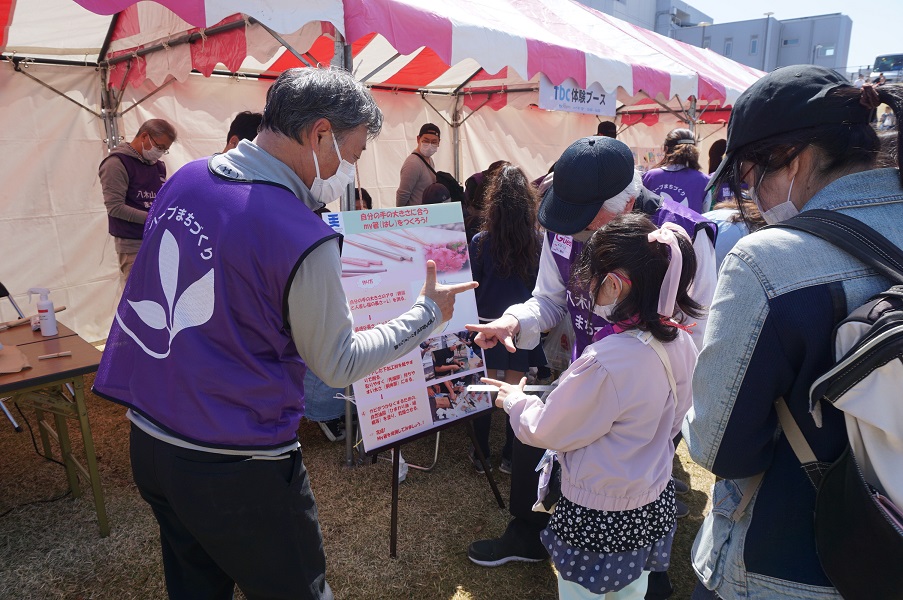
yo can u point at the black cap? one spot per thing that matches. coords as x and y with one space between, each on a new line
591 171
784 100
607 129
429 128
435 193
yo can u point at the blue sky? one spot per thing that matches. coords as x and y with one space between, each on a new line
876 24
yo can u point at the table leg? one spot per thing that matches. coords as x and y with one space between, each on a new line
62 433
45 440
94 475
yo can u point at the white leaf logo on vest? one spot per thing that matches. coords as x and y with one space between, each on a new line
194 307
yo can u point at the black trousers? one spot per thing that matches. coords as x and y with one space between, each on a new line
227 520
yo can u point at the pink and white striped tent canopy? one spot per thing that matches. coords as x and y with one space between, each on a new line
444 46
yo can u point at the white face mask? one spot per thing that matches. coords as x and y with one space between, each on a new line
605 310
325 191
779 213
152 155
427 149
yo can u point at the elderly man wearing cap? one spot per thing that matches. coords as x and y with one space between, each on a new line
595 180
418 171
800 139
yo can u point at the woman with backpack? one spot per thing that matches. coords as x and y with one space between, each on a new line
677 176
799 139
616 409
504 257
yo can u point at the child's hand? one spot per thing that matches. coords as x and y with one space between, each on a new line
505 389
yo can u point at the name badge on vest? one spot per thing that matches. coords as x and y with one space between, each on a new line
562 245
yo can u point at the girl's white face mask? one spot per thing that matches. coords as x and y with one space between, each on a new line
605 310
325 191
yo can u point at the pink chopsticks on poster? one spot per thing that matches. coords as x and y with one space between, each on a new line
388 242
360 262
380 252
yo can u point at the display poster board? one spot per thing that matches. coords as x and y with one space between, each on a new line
570 97
384 256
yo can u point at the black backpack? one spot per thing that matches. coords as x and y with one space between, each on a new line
858 530
447 179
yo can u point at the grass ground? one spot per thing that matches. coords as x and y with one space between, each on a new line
52 550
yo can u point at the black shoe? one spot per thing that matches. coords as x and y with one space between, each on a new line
477 465
681 510
334 430
508 548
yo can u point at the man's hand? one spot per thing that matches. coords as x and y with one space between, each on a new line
505 389
501 330
443 295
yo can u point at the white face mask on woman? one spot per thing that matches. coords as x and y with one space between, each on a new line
325 191
428 148
778 213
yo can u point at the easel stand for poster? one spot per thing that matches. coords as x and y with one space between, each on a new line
396 454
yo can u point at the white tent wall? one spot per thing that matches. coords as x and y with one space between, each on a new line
52 219
53 223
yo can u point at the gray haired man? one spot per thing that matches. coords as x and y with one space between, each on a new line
252 279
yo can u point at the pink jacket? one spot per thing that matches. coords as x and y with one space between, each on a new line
612 420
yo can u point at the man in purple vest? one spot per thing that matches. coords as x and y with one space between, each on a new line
595 180
235 293
130 177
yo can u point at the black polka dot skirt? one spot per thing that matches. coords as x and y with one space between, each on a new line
605 551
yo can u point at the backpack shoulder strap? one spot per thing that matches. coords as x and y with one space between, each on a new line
425 161
853 237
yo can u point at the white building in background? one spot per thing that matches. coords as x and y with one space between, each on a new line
765 43
769 43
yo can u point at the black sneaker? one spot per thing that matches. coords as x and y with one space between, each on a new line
508 548
477 465
681 510
334 430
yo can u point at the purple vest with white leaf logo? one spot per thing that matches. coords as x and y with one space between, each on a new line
200 344
144 182
588 326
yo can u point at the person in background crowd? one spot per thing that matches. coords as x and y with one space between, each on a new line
362 199
716 154
887 121
677 177
418 170
859 81
612 428
607 129
215 393
475 198
130 177
504 259
800 139
734 221
595 180
244 127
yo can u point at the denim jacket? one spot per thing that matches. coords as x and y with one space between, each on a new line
780 293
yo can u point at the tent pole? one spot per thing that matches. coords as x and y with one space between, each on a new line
20 65
108 111
456 135
279 39
691 113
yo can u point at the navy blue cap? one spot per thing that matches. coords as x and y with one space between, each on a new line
591 171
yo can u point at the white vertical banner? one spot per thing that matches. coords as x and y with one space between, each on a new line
568 96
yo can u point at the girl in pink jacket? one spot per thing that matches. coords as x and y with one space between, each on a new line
615 412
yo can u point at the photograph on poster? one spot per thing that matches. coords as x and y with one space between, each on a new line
384 256
450 399
452 355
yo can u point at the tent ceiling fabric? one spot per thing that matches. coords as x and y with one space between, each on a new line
442 43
